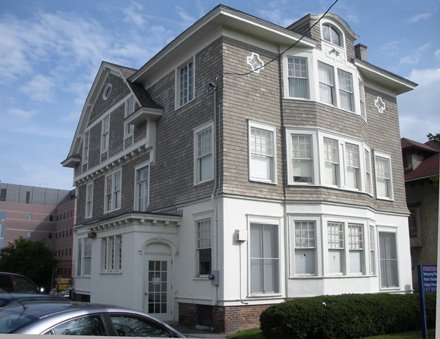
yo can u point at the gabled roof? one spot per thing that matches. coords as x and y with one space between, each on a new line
430 164
144 99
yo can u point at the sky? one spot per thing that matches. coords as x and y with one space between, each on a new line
51 50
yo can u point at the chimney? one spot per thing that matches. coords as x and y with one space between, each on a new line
360 51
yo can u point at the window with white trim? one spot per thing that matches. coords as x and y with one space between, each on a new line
264 259
389 275
362 99
89 200
203 249
305 247
142 190
111 254
352 166
105 133
327 91
302 158
129 128
331 162
84 257
113 191
203 154
384 188
336 256
261 153
331 34
86 145
372 251
298 77
346 91
368 180
185 83
356 248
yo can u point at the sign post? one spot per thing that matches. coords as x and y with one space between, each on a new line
427 284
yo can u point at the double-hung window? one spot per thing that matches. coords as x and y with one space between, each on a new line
85 150
111 254
383 177
331 162
356 247
129 128
113 191
353 167
327 91
203 159
331 34
142 188
362 100
89 200
185 83
372 251
203 250
302 158
335 247
305 247
368 186
346 94
262 153
264 259
298 77
105 133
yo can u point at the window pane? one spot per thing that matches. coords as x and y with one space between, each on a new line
388 260
326 83
130 326
331 162
89 325
262 153
298 77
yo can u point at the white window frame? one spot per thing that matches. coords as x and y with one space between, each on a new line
265 222
336 246
86 147
111 254
140 186
368 181
292 75
105 133
337 30
353 165
372 248
362 103
84 257
272 158
378 154
328 84
334 164
181 99
346 88
356 247
290 156
203 242
199 158
297 248
113 197
130 104
386 258
89 200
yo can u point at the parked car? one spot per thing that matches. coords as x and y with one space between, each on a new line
17 283
7 299
76 318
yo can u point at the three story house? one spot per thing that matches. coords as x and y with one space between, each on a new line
243 165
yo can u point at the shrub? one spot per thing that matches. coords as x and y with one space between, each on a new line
346 316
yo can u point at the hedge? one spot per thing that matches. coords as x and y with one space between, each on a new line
346 316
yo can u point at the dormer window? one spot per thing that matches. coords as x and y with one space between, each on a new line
331 34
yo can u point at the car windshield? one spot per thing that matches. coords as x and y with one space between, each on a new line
13 320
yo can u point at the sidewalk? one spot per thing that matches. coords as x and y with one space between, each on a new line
196 332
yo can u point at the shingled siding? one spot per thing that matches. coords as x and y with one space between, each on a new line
172 174
252 97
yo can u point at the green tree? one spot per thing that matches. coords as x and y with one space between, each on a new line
434 137
33 259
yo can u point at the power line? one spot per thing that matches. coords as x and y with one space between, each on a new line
289 47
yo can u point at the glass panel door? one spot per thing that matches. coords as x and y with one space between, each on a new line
157 288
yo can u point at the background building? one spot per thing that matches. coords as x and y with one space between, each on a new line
39 213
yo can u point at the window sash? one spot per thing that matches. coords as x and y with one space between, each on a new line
142 184
86 143
105 133
262 154
203 249
264 259
346 92
326 83
352 161
89 200
383 177
204 157
335 235
389 276
302 158
298 77
186 83
305 236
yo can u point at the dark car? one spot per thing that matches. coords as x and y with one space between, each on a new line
7 299
17 283
75 318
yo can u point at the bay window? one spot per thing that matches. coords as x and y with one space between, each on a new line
302 158
326 84
356 247
331 162
353 167
298 77
335 247
305 247
346 95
